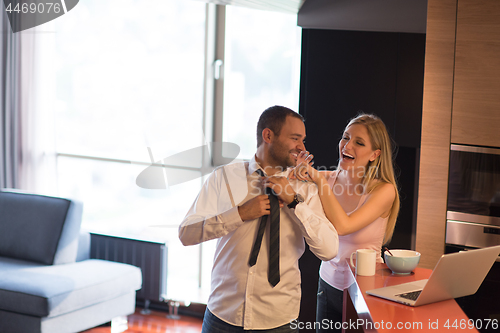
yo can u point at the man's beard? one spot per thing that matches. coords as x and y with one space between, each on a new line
280 156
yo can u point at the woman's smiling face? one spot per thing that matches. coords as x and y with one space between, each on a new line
355 148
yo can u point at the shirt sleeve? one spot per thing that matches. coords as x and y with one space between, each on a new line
204 220
319 233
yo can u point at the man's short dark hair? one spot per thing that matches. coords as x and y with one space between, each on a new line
274 118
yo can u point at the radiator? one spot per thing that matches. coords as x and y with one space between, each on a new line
149 256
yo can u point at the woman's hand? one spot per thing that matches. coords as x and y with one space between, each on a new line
300 172
305 157
304 170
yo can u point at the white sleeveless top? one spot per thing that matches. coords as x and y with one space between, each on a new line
334 272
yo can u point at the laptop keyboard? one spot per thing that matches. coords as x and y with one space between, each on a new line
412 295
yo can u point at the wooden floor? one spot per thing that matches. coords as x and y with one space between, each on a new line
156 322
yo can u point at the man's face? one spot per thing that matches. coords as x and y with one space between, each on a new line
285 148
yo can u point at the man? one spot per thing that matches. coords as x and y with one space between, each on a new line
249 290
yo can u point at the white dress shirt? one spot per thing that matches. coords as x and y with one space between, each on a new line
241 295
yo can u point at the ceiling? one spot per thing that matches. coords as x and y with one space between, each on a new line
285 6
363 15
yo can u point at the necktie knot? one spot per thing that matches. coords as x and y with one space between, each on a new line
267 190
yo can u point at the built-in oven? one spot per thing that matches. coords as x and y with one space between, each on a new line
473 219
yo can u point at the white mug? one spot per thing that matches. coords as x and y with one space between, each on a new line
365 262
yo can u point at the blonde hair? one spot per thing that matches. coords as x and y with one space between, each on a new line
381 168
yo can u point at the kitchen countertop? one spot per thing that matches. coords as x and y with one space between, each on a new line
379 315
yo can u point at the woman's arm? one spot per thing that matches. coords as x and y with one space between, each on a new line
377 204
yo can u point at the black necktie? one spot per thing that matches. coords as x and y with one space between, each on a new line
274 238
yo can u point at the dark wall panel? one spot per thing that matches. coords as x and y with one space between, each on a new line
409 90
347 72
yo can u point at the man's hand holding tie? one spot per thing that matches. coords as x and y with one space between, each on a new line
281 187
255 208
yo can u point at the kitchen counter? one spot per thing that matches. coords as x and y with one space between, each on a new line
379 315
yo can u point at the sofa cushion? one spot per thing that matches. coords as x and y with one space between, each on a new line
13 264
31 226
54 290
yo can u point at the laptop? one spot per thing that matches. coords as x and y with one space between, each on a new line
455 275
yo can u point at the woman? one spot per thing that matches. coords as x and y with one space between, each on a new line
360 199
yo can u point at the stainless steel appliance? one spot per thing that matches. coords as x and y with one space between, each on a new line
474 196
473 219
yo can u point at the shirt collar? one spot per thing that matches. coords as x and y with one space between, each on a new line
253 166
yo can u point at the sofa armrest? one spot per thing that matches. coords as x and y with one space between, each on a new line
83 246
69 241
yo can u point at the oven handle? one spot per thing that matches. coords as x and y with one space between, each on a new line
475 149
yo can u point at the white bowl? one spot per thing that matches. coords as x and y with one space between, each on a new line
402 261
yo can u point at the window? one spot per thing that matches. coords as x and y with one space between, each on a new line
262 68
130 88
131 80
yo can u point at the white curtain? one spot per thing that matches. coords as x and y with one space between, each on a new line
27 148
37 171
9 103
